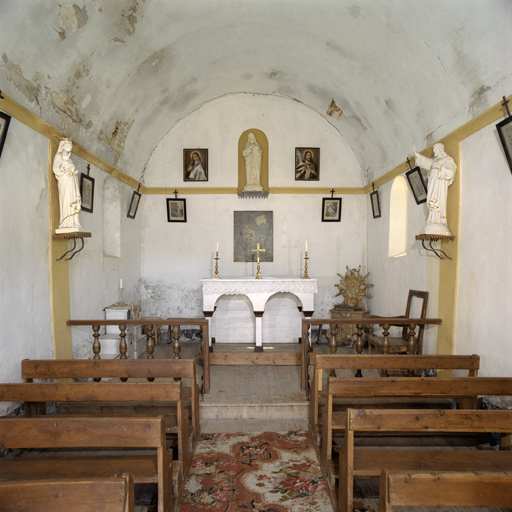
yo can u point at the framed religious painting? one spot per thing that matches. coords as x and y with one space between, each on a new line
134 204
251 228
307 164
505 132
195 165
176 210
87 192
331 209
417 184
374 199
4 127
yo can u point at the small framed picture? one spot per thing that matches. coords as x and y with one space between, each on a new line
505 132
417 184
134 204
307 164
87 192
331 209
4 127
176 210
374 198
195 165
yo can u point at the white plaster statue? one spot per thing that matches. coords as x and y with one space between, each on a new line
70 200
441 170
252 155
195 169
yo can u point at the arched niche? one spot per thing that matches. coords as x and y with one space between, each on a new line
262 140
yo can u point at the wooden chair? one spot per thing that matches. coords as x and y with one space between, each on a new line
400 344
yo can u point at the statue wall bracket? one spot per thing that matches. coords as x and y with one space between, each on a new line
435 238
72 236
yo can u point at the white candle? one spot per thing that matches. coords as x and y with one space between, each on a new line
306 246
217 246
120 283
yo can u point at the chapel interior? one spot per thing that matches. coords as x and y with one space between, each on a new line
138 86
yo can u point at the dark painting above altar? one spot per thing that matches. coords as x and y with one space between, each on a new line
251 228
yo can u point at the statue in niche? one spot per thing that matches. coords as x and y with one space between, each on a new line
252 156
441 170
70 201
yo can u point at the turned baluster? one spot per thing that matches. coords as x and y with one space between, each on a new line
359 344
385 343
176 344
96 347
123 347
150 342
411 345
332 345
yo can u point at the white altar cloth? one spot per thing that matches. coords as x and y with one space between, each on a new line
258 291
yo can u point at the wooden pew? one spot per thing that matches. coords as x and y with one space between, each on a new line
86 435
111 399
445 488
124 369
382 393
112 494
357 461
321 363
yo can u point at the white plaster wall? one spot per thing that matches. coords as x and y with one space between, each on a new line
394 277
484 309
175 256
94 276
24 285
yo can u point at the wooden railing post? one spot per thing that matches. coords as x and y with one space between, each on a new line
96 347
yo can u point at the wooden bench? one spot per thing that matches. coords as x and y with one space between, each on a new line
112 494
358 461
124 369
87 435
110 399
445 488
399 393
416 363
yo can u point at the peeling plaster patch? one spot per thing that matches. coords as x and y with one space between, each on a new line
118 136
273 74
479 101
247 76
72 17
333 110
65 105
160 300
128 15
333 45
354 11
29 89
118 40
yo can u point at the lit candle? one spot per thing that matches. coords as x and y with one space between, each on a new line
306 246
217 246
120 283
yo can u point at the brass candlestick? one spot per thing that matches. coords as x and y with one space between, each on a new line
257 251
305 276
216 276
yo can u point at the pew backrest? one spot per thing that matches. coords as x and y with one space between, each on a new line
382 421
321 363
98 369
85 432
445 488
112 494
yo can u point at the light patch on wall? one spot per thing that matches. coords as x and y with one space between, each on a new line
66 105
333 110
72 17
118 136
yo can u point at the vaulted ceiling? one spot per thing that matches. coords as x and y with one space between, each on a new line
117 75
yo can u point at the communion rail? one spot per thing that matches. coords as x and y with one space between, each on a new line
384 322
150 324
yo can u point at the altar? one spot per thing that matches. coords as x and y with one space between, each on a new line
258 291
